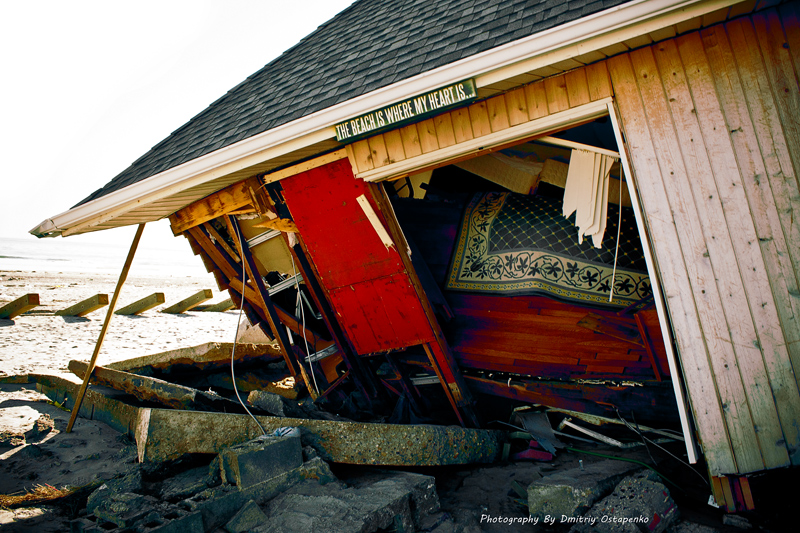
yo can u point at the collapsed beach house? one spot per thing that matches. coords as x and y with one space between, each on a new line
586 205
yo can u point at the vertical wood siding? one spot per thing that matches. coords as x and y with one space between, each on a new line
711 123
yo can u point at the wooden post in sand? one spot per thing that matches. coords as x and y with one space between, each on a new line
122 277
19 306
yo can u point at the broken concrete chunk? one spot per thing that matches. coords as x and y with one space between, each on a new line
218 505
191 523
260 459
639 501
572 492
130 483
185 484
399 501
267 401
124 509
249 517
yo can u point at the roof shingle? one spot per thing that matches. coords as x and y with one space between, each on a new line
340 60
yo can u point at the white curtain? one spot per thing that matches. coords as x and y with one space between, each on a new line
586 193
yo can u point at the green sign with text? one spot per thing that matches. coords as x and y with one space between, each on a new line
407 111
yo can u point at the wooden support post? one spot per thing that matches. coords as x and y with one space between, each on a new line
224 305
85 307
272 316
190 302
19 306
140 306
648 346
122 277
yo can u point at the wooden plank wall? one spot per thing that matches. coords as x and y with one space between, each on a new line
710 119
531 102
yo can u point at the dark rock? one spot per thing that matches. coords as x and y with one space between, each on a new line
124 509
638 501
572 492
260 459
185 484
130 483
249 517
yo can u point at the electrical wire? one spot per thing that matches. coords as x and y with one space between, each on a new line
616 247
238 322
303 320
663 449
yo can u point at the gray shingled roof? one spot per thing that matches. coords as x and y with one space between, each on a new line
371 44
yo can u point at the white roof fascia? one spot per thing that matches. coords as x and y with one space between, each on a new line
567 40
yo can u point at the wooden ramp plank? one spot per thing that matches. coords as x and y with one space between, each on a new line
140 306
19 306
189 303
85 307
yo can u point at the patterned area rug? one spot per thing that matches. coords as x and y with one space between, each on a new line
518 244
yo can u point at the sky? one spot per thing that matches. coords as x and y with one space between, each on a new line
87 87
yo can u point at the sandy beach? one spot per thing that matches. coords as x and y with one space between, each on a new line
38 341
34 448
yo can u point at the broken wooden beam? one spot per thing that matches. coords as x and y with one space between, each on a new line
616 328
85 307
19 306
156 390
140 306
189 303
220 307
202 357
652 404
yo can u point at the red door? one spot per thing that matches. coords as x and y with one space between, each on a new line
367 283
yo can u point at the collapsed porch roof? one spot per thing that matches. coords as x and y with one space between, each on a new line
286 112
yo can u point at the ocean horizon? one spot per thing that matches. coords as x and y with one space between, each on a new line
63 256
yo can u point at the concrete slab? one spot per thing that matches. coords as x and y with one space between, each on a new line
156 390
202 357
163 435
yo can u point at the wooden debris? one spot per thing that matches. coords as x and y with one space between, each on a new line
287 387
190 302
85 307
156 390
140 306
19 306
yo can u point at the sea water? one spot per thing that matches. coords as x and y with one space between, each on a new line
75 255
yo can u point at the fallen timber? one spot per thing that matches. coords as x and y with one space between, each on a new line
163 434
150 389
